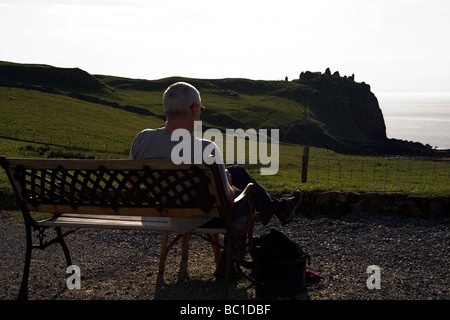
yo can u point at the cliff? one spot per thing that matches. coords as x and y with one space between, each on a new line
351 116
318 109
352 100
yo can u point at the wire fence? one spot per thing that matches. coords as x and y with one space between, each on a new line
86 145
325 168
380 170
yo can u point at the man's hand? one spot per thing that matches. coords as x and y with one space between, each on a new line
229 177
232 193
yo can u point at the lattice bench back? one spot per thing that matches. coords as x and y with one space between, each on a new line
124 187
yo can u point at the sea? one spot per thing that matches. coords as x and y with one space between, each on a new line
417 117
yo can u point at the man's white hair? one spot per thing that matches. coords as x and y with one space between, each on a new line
178 98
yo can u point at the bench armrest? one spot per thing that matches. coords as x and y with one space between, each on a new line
252 215
248 189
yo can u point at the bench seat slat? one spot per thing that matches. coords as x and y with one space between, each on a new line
126 211
116 222
115 217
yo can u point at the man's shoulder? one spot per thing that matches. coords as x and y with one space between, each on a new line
151 143
147 136
149 132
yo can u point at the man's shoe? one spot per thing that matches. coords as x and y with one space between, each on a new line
292 202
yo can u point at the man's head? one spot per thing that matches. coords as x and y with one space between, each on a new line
181 100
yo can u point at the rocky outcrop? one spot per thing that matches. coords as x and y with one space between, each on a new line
350 99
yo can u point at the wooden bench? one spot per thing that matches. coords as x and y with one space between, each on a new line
123 194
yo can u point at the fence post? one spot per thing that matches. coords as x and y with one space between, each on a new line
305 161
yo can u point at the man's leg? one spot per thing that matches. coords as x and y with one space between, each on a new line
239 214
265 203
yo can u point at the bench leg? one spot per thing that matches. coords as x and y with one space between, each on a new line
165 248
215 247
164 251
23 292
64 246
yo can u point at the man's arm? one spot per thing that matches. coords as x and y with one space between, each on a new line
230 186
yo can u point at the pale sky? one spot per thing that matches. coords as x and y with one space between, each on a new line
393 45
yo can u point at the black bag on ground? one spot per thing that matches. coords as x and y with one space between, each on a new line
282 264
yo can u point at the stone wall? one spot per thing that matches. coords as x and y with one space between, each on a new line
339 203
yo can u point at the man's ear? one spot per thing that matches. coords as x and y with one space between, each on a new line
192 110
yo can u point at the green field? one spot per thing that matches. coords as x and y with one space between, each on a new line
330 171
327 170
36 124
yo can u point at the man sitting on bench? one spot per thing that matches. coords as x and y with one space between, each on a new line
182 106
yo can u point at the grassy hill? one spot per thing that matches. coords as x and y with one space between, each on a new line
67 113
65 121
230 103
47 76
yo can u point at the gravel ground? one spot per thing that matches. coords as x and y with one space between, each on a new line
412 254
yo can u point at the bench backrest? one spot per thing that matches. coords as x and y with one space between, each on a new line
121 187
